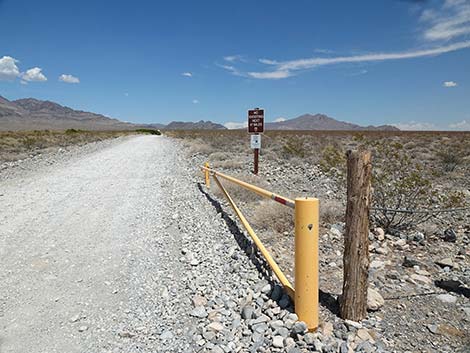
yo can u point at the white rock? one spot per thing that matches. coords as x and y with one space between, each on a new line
278 341
374 300
447 298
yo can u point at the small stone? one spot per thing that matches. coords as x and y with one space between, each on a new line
374 300
420 278
266 289
432 328
450 235
327 329
278 341
447 262
299 327
199 300
309 338
377 264
354 324
447 298
380 234
194 262
409 262
199 312
216 326
276 293
82 328
247 312
364 335
167 335
284 302
318 345
418 237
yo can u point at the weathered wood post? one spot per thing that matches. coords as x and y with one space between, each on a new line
353 303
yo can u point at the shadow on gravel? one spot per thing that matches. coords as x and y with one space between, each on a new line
327 300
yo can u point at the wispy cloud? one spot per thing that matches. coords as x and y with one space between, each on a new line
187 74
232 69
447 26
449 84
195 101
234 58
69 78
279 120
33 75
450 21
289 68
235 125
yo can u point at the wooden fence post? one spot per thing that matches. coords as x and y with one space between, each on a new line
353 303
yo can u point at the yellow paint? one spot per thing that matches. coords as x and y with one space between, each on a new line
306 261
269 259
206 174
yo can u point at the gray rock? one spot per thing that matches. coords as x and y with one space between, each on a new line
247 312
276 293
299 327
167 335
199 312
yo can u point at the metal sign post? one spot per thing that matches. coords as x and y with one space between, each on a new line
255 127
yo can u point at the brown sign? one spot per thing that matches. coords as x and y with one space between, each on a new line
256 121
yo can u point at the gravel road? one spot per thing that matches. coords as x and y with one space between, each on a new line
85 265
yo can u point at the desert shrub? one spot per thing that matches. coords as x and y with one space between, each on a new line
333 160
149 131
294 147
401 183
73 131
450 159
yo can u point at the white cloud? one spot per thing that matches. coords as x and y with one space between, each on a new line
235 125
415 126
233 58
279 120
195 101
8 69
33 75
450 84
126 94
463 125
187 74
450 21
69 78
271 75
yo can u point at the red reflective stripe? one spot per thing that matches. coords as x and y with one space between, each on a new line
280 200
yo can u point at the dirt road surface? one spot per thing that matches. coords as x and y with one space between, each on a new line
90 253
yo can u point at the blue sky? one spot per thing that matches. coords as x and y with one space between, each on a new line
366 62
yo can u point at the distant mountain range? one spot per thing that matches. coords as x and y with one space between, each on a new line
34 114
322 122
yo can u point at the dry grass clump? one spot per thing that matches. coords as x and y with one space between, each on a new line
332 211
271 216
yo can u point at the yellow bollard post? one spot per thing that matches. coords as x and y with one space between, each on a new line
306 260
206 174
